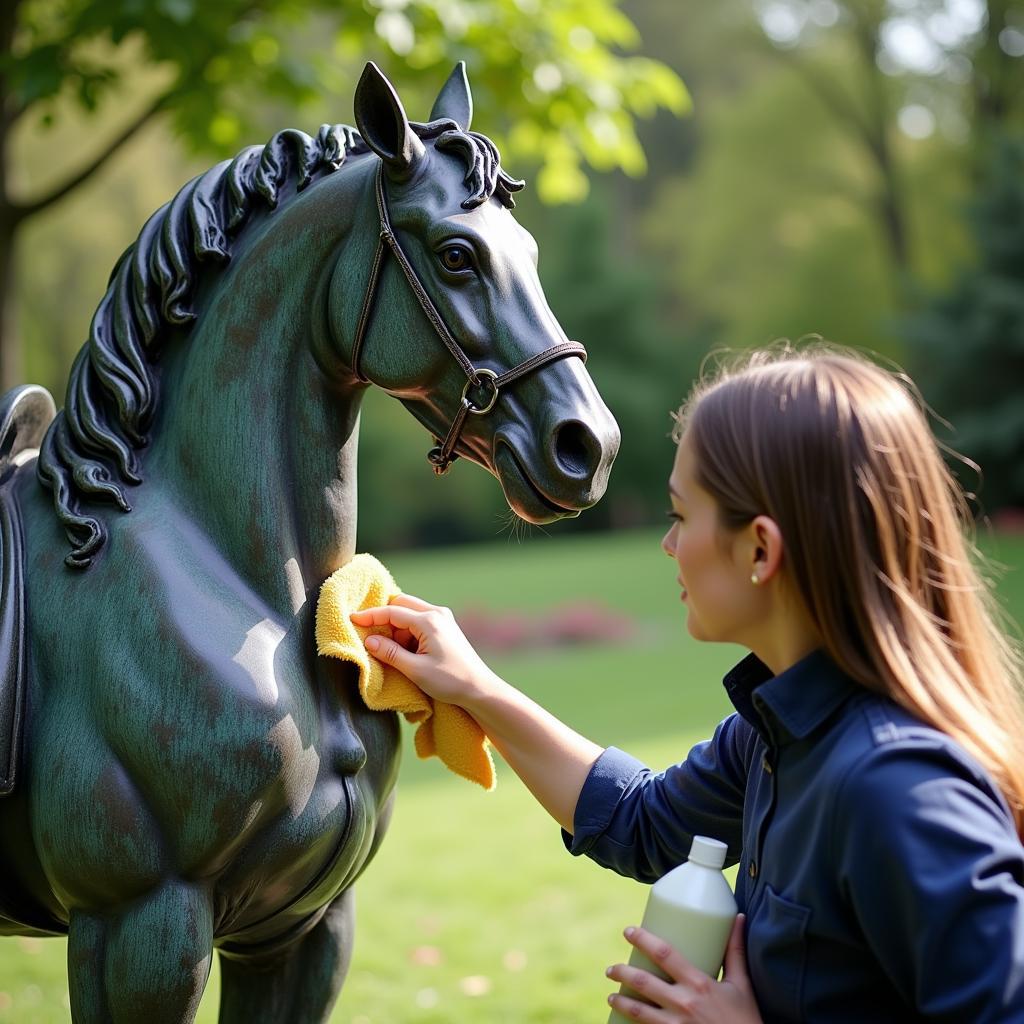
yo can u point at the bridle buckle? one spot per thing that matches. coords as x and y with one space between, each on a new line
477 381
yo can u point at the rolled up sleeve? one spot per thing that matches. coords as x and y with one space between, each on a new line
640 824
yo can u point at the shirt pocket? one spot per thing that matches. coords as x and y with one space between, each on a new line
777 940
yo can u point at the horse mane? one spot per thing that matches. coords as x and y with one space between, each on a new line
89 453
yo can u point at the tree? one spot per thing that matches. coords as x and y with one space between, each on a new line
609 301
952 70
553 75
967 343
754 217
997 79
883 67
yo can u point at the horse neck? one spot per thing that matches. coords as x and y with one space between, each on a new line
255 440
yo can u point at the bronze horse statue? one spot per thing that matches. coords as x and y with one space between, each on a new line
181 771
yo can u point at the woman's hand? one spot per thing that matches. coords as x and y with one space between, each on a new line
429 648
691 996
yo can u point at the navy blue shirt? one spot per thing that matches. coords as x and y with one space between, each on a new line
879 867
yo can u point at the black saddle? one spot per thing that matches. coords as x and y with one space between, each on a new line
25 413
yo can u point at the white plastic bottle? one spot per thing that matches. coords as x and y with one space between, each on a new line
693 909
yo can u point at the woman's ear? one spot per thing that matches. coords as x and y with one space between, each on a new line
765 548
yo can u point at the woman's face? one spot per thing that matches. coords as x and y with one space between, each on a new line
720 598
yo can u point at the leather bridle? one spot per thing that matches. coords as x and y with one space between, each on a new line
485 382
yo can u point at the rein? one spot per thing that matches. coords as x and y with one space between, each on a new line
479 379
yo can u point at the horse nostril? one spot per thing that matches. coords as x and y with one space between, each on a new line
574 448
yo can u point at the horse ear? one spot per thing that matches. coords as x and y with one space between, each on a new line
383 125
455 99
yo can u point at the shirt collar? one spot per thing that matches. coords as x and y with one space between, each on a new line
791 705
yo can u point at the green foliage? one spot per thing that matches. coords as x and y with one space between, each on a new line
606 296
466 504
740 243
556 78
757 217
68 251
967 342
771 232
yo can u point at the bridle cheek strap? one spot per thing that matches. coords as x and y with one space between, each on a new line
484 382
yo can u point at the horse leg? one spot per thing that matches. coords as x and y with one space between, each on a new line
147 962
298 985
85 959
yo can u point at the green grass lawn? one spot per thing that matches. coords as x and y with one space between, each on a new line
472 911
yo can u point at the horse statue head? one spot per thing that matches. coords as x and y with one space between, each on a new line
388 257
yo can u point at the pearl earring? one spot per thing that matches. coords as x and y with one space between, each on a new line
755 579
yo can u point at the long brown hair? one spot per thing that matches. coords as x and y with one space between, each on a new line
839 453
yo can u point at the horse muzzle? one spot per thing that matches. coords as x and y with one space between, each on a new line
560 478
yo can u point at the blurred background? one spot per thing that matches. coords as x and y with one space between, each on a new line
700 176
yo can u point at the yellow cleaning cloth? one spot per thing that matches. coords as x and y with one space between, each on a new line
444 729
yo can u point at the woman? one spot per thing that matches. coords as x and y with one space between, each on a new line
871 781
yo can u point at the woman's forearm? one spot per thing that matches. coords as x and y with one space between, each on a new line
552 759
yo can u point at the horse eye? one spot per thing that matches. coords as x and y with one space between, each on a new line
455 257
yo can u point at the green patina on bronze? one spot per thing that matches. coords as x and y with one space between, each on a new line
191 776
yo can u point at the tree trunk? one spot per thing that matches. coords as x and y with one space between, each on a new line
10 350
990 71
11 368
869 118
996 82
889 199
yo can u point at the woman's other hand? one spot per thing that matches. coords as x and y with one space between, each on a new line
428 646
691 996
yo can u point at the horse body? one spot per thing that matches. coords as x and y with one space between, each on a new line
216 748
194 776
212 766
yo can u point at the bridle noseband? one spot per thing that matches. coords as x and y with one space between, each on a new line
485 382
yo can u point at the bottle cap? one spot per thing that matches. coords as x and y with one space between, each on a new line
708 852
